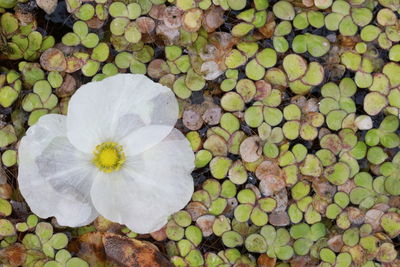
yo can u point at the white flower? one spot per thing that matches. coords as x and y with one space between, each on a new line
115 154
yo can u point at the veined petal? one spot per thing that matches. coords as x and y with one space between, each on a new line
117 106
53 175
150 186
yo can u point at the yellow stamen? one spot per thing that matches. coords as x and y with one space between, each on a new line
108 156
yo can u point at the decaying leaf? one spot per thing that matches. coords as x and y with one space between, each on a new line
14 255
132 252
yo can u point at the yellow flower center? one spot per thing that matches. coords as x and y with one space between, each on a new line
108 156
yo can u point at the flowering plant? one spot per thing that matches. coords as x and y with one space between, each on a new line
115 154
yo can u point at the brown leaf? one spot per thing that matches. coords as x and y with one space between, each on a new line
300 261
205 223
263 89
347 41
347 187
336 243
73 64
212 115
192 119
308 3
53 60
157 11
47 5
160 235
323 188
280 218
191 19
394 201
5 189
103 225
196 209
145 24
265 261
268 29
320 204
90 248
15 254
373 217
133 253
157 68
26 17
251 149
68 86
172 17
213 18
271 184
356 216
95 23
267 168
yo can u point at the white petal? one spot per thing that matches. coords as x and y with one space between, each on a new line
149 187
111 109
143 139
53 175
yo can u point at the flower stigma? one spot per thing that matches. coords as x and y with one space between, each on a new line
108 157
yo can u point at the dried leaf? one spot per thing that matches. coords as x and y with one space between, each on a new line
15 254
131 252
